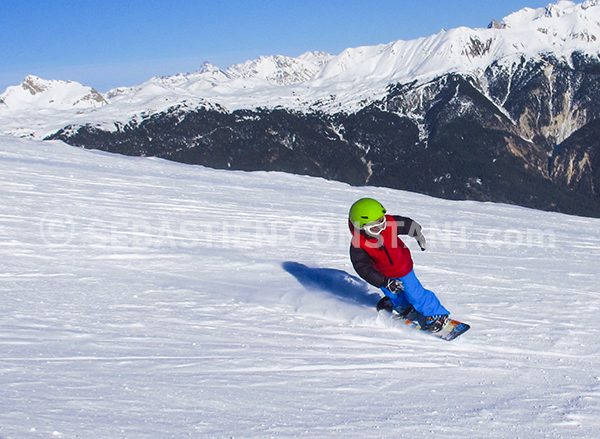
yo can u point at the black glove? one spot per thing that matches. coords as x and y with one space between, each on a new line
421 241
395 285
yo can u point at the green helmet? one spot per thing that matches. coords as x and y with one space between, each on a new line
364 211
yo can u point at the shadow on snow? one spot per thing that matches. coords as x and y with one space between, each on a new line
336 282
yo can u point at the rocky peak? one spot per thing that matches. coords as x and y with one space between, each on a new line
280 69
559 11
33 85
36 92
495 24
209 68
560 8
589 4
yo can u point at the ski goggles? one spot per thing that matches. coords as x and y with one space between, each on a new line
376 227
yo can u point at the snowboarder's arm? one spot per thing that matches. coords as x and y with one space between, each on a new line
363 265
408 226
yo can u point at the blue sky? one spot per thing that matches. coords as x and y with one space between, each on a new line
109 43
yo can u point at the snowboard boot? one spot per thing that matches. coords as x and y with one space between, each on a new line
385 304
404 312
433 323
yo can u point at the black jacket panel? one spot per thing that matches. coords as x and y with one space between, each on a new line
407 226
363 265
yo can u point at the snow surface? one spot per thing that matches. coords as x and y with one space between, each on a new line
145 298
316 80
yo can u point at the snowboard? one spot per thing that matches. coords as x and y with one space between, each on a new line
451 330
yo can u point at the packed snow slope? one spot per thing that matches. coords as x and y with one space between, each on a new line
145 298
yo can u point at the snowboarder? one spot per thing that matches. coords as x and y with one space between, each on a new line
381 258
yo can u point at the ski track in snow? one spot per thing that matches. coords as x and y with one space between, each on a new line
143 298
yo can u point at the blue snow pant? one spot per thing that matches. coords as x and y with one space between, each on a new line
424 301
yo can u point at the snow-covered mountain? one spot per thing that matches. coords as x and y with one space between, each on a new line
143 298
503 114
347 81
37 93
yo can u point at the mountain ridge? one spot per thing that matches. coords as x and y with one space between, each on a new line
561 28
414 115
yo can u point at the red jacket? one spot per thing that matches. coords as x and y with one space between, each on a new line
378 259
